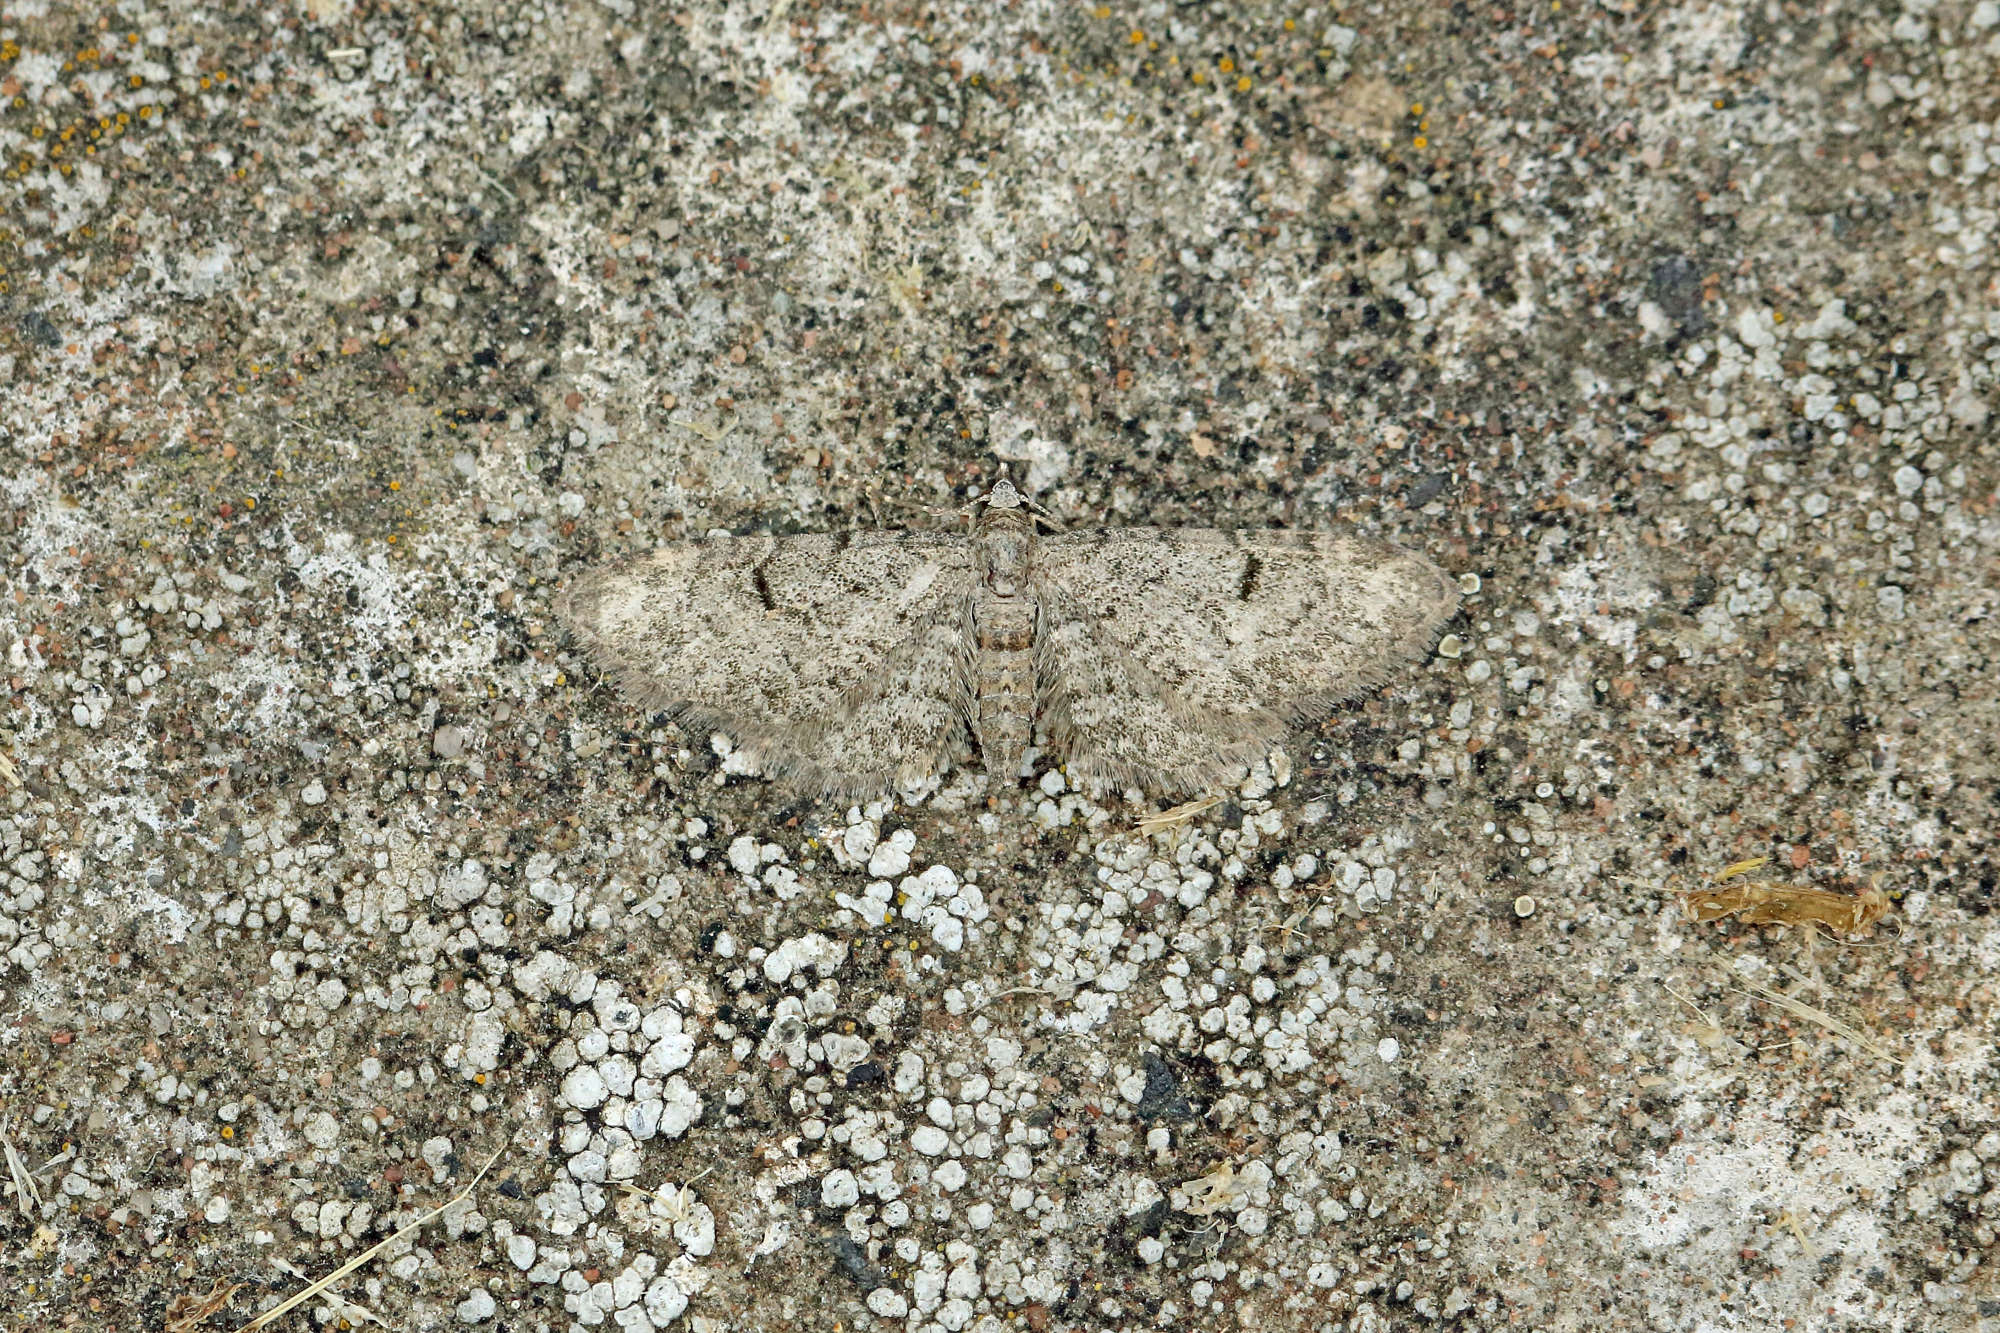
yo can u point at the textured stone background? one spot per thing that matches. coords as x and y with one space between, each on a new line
334 337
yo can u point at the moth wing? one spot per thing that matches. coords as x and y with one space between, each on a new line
1120 724
838 662
1248 623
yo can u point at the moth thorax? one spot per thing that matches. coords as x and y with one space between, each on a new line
1004 551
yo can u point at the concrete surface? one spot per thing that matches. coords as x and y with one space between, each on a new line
334 337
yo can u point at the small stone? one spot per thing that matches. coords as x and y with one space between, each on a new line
888 1302
1388 1049
839 1189
584 1088
322 1131
314 793
682 1107
448 742
891 856
665 1301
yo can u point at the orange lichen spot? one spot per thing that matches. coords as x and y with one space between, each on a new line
1420 143
395 485
1104 11
146 112
1416 108
1226 65
1243 84
1137 38
1290 25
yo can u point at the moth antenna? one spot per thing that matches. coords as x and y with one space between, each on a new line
877 501
952 511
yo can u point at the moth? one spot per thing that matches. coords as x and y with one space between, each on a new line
851 664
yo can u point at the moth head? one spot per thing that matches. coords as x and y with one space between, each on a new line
1004 496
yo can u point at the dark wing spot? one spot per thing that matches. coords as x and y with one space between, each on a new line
1252 567
763 587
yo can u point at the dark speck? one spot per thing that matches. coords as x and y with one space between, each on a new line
853 1261
37 329
1162 1096
1676 288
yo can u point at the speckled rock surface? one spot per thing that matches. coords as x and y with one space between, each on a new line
335 337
